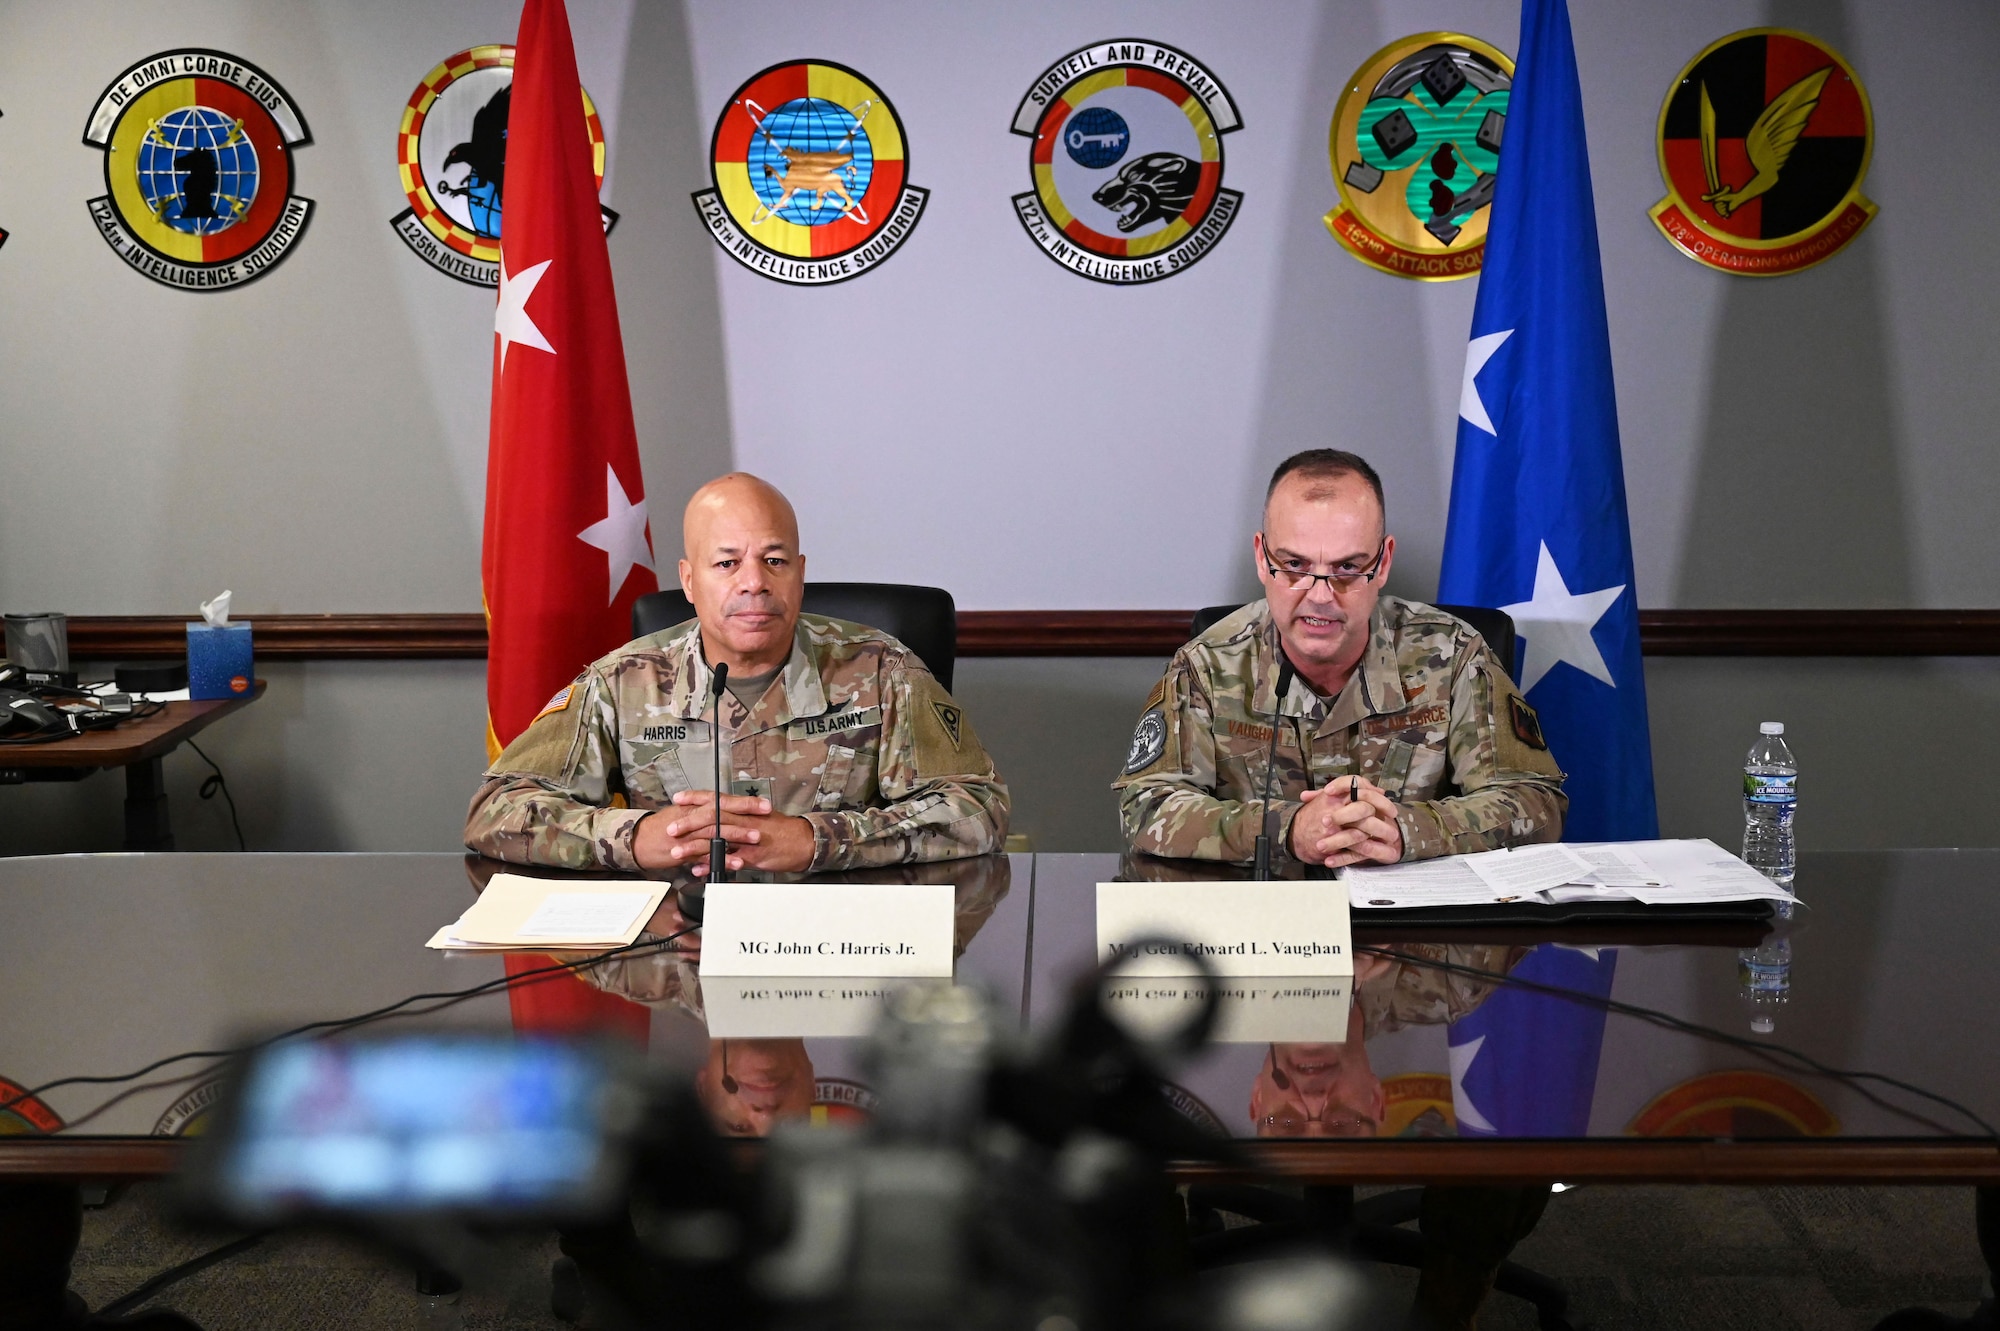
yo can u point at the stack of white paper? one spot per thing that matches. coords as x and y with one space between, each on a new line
546 914
1662 872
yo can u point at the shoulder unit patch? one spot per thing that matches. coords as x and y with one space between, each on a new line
1527 725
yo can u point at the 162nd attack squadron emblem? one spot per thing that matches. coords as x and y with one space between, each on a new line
451 151
1127 161
1764 143
811 173
198 168
1415 147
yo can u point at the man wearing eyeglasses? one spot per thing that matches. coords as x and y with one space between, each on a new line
1398 737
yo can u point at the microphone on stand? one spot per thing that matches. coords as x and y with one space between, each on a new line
1285 673
694 893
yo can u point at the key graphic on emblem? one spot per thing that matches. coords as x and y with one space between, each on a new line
1079 139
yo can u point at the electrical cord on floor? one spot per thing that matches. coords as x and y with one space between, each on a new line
216 784
332 1024
173 1275
1767 1048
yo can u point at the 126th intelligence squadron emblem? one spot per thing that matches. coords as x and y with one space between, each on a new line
1127 161
198 161
452 154
1415 146
1764 143
811 175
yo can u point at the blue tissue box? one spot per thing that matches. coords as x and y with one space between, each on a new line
219 664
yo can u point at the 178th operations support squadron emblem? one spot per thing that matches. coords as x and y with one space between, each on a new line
198 164
1764 143
811 172
1126 157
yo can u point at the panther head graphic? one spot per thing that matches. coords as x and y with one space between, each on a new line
1155 188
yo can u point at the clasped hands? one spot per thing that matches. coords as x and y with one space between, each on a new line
678 837
1349 822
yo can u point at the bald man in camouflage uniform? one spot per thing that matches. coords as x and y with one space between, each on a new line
843 752
1399 737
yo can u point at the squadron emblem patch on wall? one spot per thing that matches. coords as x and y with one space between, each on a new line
811 175
198 169
451 153
1415 147
1126 158
1764 142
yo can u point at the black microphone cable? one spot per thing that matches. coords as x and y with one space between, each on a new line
445 997
1766 1048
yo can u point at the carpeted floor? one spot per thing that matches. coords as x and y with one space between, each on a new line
1704 1259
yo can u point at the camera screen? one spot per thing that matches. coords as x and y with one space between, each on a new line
414 1123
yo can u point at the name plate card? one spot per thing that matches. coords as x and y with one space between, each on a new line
855 930
1238 928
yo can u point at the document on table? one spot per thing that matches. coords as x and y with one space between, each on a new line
515 911
1663 872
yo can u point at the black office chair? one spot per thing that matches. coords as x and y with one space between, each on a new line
1496 626
924 619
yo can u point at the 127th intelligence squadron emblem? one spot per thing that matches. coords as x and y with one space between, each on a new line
811 175
451 152
1415 147
1764 143
198 164
1127 161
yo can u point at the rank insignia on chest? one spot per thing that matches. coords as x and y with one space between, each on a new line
1527 726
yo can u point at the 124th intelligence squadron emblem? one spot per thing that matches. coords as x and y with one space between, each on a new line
1127 161
1764 143
1415 146
451 151
811 175
198 164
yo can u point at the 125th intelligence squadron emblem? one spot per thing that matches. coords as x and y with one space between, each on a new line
198 161
1127 161
1415 146
1764 143
451 152
811 175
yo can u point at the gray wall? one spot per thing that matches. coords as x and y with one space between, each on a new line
316 440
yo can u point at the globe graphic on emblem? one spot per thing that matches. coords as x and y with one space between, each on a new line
483 202
197 170
798 155
1096 137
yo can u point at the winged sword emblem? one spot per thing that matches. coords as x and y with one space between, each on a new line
1769 142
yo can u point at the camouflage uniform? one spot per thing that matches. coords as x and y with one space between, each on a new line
856 736
1428 716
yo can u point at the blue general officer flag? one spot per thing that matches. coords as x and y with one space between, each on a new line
1538 525
1524 1063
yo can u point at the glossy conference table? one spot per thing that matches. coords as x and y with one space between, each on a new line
1421 1075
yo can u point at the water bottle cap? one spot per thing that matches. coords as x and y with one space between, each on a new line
1770 727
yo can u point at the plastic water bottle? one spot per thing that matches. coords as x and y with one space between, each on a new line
1770 799
1764 979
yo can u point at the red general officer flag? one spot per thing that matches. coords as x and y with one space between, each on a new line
567 546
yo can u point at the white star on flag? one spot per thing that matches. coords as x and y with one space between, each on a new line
1467 1113
1477 352
1557 625
510 316
621 535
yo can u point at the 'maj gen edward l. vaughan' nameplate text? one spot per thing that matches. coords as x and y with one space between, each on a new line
844 929
1238 928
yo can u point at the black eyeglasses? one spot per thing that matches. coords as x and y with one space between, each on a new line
1342 579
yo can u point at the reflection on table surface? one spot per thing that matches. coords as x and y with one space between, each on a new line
115 961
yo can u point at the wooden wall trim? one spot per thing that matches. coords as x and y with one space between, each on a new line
1079 633
1829 1160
